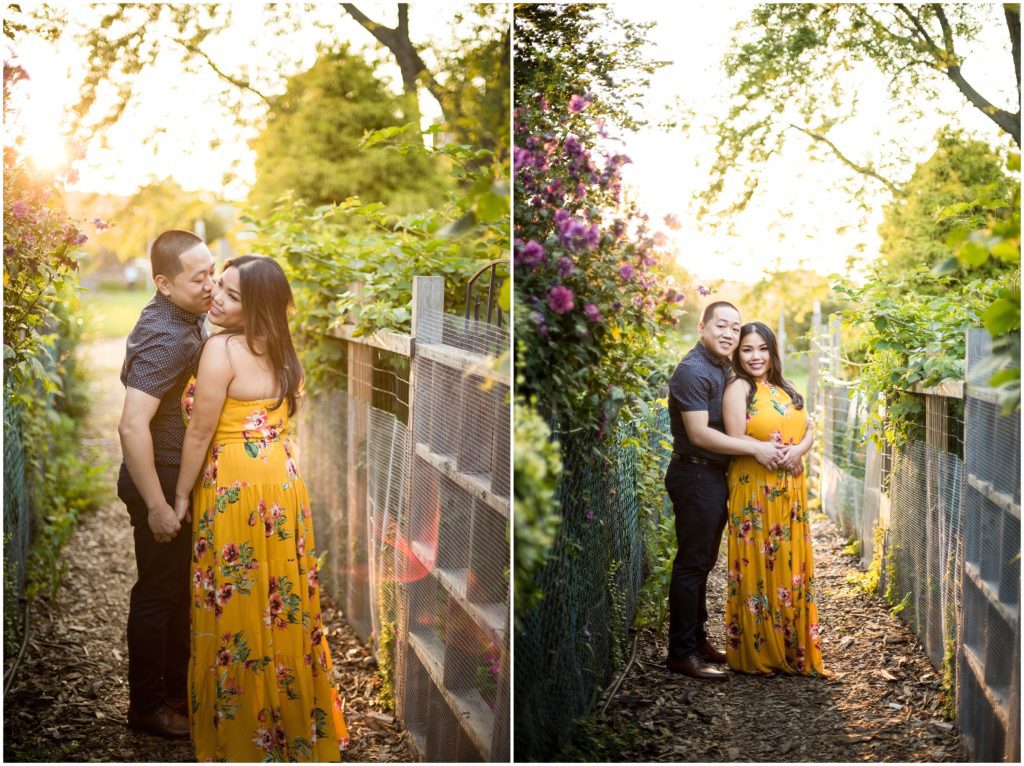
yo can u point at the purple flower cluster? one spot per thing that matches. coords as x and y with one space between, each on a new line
530 254
581 254
560 299
574 234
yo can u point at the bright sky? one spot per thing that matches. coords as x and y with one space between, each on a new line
198 141
793 220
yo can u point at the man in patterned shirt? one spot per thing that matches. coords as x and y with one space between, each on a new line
696 484
157 366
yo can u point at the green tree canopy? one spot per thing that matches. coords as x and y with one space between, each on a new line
137 220
311 144
566 50
790 293
789 66
960 171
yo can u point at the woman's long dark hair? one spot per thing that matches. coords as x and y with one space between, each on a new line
774 375
266 302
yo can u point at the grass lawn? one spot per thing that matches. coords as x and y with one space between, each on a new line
112 313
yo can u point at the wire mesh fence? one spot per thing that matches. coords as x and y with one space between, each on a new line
17 511
946 506
988 666
409 471
569 645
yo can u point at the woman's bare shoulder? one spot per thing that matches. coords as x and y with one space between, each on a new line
738 384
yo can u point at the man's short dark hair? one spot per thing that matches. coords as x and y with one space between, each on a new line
711 308
165 254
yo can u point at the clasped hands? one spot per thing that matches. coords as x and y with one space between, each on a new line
165 522
786 457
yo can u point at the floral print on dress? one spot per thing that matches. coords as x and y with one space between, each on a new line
255 583
259 434
771 613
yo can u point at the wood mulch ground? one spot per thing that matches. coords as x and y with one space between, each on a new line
69 697
884 703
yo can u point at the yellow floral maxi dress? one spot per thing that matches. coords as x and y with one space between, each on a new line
771 612
260 672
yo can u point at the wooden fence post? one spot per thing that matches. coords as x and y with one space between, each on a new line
427 301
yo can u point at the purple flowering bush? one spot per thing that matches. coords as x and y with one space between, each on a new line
590 302
45 392
40 265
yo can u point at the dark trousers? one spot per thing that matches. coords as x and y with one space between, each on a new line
158 612
699 495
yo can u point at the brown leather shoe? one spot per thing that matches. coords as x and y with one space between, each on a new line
163 722
694 667
708 653
178 704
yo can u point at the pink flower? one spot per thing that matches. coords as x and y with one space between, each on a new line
592 313
21 209
626 272
230 553
263 740
74 237
531 254
560 299
672 221
577 104
564 267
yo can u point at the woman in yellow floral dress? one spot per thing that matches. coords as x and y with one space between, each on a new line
260 671
771 612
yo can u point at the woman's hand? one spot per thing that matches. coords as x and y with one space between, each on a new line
793 461
181 509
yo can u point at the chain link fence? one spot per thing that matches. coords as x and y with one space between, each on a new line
17 510
569 645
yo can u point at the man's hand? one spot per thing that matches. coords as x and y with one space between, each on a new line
163 522
769 454
181 510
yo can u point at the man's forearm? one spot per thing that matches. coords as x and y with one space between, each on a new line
716 441
137 448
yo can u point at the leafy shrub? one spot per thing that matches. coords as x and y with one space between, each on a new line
355 263
41 330
537 467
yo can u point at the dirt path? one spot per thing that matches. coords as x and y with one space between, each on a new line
884 704
70 696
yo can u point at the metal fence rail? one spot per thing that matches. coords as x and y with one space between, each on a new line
409 470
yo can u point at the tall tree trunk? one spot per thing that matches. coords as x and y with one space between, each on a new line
1013 23
396 40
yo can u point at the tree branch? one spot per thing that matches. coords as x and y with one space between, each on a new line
862 169
930 46
238 83
1013 23
1004 119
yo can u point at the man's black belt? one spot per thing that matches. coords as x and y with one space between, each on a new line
699 461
